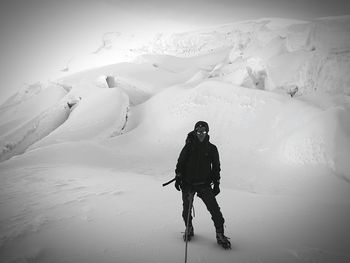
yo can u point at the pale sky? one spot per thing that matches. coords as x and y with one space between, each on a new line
37 37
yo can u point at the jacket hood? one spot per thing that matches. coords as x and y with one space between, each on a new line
202 124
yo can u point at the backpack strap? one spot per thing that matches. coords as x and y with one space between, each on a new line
190 138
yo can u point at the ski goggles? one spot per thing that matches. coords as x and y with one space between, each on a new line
201 132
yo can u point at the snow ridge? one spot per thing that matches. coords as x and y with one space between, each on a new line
83 157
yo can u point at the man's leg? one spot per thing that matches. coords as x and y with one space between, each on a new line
187 202
185 206
208 197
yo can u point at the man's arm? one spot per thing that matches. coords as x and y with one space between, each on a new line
215 172
181 161
180 168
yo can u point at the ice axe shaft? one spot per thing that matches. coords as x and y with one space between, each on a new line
172 180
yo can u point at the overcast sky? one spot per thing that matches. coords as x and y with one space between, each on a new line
38 37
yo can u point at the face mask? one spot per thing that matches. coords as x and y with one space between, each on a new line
201 133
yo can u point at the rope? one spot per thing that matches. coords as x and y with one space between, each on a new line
194 212
190 196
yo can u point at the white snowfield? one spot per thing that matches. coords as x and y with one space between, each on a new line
83 160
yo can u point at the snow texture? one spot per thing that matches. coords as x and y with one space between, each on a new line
83 158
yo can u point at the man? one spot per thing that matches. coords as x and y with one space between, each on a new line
198 167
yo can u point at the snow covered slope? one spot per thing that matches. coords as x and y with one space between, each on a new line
26 120
282 53
102 113
237 77
83 159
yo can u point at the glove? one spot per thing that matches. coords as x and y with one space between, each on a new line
178 182
216 188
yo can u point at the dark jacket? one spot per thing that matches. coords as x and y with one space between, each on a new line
198 162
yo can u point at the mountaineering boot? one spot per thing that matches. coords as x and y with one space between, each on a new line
190 233
223 240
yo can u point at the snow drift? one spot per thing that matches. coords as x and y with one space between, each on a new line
212 67
202 75
26 122
80 157
102 114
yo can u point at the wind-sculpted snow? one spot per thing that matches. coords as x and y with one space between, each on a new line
321 140
290 57
24 93
29 121
28 104
100 114
32 131
292 132
139 80
181 64
98 144
308 55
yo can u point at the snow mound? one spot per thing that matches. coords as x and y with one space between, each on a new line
180 64
323 140
28 121
28 104
275 95
169 93
284 69
309 56
139 80
32 131
100 114
291 131
25 92
228 109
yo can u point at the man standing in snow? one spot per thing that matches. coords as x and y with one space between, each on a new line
198 168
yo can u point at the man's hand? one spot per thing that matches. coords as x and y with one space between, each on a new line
216 188
178 182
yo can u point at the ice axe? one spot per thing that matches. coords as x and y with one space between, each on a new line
169 182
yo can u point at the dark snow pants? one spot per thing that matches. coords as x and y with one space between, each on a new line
205 193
